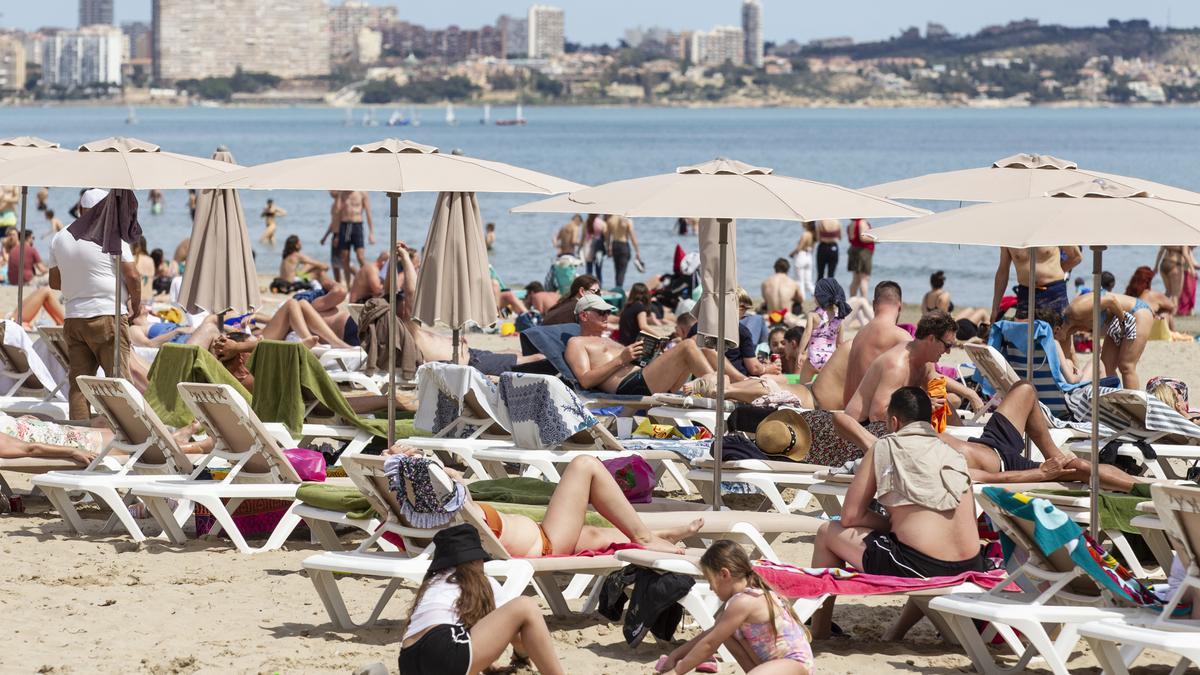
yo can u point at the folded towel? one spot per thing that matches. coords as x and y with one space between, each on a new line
183 363
1116 510
812 582
513 491
342 498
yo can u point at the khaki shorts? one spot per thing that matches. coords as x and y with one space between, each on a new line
859 260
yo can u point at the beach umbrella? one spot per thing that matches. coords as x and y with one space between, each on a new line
219 276
393 166
454 287
112 163
1094 213
1019 176
24 148
722 190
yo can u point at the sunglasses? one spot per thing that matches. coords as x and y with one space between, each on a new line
602 312
948 344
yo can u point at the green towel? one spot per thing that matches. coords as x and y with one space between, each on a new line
537 513
1116 510
177 363
344 498
282 371
513 490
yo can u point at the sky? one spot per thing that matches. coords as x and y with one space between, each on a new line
596 21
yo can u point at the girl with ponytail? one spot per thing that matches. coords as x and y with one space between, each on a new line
758 627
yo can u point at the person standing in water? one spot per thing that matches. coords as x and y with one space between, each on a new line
620 236
829 233
269 213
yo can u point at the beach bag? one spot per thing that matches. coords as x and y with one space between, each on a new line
309 464
634 475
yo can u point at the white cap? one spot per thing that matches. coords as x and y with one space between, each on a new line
592 302
92 197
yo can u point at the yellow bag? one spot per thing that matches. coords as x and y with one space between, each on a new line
648 430
1159 330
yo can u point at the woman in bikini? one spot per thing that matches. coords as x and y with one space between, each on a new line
1124 321
584 483
1173 262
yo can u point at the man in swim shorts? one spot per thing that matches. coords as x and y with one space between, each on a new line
1053 263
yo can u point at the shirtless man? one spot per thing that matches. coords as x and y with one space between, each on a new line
998 454
368 283
929 529
349 208
878 336
909 364
1053 264
605 364
566 240
779 291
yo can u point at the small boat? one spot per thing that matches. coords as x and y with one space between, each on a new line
413 118
369 119
519 120
487 113
131 116
451 120
397 120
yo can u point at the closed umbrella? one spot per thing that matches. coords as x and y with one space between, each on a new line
454 286
1018 176
24 148
718 314
723 189
112 163
1095 213
393 166
220 275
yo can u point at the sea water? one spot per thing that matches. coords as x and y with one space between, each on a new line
851 147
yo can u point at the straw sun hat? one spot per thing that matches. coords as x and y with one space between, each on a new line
784 432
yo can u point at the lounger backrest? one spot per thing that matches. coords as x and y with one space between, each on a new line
1021 531
446 409
367 474
542 412
1151 417
1178 508
992 366
241 437
134 422
57 341
1010 338
12 360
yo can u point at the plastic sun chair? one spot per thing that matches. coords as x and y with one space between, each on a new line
258 469
32 388
1009 338
551 342
1064 587
153 455
1141 418
324 569
1179 509
459 406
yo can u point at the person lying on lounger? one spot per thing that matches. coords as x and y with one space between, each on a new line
929 529
600 362
584 483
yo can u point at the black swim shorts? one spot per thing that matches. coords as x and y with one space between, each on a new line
634 384
443 650
1000 435
885 554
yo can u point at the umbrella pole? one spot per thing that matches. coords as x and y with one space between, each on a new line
392 319
116 262
21 260
1029 337
1094 477
719 427
454 339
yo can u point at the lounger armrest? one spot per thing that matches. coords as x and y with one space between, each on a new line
661 562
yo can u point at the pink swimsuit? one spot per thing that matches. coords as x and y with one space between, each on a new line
787 641
824 339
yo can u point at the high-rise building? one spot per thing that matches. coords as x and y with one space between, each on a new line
12 63
212 38
346 22
546 36
514 35
719 45
90 55
92 12
752 31
140 43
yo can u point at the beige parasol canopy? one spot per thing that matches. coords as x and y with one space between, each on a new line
112 163
454 287
390 165
220 275
722 189
24 148
1096 213
1016 177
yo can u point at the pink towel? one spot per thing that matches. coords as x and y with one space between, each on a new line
811 582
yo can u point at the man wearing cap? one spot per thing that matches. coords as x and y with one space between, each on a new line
600 362
85 276
929 529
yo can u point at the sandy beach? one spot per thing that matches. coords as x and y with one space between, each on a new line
105 604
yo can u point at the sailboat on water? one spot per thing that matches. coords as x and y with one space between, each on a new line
397 120
131 116
413 118
519 120
451 120
369 119
487 114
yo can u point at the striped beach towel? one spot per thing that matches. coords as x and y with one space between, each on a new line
1133 415
1010 338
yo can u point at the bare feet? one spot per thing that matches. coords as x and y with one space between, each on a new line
703 386
311 341
678 534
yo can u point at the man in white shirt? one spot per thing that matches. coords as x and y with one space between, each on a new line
85 276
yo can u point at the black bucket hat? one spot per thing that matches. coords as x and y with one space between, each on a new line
456 545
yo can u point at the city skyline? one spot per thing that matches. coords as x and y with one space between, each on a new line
590 22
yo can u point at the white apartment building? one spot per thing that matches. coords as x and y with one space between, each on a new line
546 36
90 55
715 47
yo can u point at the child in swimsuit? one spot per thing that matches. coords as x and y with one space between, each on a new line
756 625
